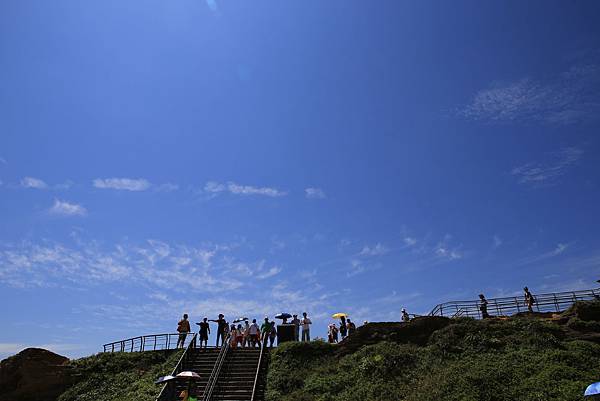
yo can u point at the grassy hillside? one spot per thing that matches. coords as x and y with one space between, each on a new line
119 376
521 358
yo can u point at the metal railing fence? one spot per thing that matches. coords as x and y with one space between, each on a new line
151 342
214 375
550 302
162 396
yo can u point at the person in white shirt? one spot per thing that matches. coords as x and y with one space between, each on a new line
305 322
246 334
253 332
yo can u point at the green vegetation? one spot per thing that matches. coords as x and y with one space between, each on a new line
522 358
120 376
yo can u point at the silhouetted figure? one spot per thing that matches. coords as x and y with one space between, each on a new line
183 328
351 327
222 328
483 305
343 328
529 300
405 316
204 332
296 322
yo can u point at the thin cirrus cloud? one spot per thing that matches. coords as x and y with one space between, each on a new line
375 250
315 193
215 188
63 208
123 184
567 98
549 173
35 183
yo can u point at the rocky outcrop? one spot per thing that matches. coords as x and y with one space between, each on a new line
34 374
417 331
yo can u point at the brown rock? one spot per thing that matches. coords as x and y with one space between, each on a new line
33 374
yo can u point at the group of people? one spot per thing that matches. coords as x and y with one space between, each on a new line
242 333
346 328
529 301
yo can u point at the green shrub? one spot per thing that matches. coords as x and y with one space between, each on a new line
119 376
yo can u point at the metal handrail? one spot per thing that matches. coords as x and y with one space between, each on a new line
179 365
548 302
260 357
214 375
143 343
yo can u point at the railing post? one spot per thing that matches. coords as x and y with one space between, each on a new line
517 303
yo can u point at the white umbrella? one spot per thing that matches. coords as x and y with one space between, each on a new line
188 375
164 379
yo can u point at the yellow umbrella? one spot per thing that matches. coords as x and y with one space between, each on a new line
338 315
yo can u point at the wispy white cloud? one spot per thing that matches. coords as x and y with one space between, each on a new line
570 97
31 182
375 250
155 264
212 4
237 189
496 242
315 193
269 273
409 241
556 252
549 173
127 184
356 267
64 208
450 254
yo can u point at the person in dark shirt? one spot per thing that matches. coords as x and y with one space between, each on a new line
529 300
296 323
204 332
343 328
483 305
221 328
351 327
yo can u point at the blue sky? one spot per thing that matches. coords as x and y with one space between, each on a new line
162 157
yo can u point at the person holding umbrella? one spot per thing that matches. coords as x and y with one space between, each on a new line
343 328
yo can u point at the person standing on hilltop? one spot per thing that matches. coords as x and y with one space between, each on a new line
267 329
351 327
343 329
254 334
204 332
296 323
529 300
222 327
305 322
183 328
483 305
405 316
